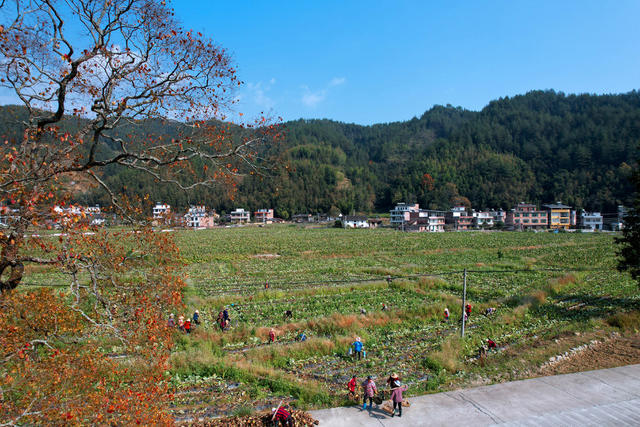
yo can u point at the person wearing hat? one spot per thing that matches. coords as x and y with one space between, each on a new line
357 348
396 394
196 317
392 378
283 416
370 390
272 335
181 323
171 322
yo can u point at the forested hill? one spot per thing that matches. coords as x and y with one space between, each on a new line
539 147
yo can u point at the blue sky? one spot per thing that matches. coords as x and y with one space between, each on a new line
380 61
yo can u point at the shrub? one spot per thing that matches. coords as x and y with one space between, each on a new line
435 381
625 321
432 364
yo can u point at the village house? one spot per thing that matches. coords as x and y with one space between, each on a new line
482 219
161 214
302 218
264 216
95 215
354 221
161 210
198 217
402 212
559 216
7 215
239 216
425 220
85 214
457 219
499 216
375 222
590 220
526 216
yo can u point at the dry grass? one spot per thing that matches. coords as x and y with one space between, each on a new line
625 321
556 285
448 356
539 297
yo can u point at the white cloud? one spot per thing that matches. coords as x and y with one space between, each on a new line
337 81
313 98
257 94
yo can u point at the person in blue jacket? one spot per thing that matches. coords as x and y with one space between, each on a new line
357 348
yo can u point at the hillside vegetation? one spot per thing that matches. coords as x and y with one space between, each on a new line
540 147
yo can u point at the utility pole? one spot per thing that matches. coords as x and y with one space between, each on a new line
464 300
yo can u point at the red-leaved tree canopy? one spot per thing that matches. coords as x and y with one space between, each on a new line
88 74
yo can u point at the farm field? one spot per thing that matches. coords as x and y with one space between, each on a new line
553 293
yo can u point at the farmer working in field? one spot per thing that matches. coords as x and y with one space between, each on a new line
357 348
392 378
283 416
489 311
467 311
181 323
370 390
351 385
396 394
446 314
272 335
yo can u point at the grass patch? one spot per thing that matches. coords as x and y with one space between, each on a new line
625 321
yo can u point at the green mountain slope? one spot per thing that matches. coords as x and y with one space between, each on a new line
539 147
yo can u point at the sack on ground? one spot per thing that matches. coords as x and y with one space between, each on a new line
405 403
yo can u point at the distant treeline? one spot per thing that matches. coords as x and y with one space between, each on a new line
540 147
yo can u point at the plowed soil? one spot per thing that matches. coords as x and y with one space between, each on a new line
618 351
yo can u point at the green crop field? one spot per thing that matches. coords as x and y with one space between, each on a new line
545 287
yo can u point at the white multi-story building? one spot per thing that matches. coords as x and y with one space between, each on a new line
402 213
239 215
591 220
193 217
481 218
161 210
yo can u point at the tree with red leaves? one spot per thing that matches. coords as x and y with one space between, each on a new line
88 73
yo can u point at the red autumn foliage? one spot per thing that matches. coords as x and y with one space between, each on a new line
94 350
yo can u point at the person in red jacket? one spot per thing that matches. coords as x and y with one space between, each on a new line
351 385
272 335
467 309
283 416
187 326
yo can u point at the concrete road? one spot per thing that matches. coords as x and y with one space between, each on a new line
607 397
